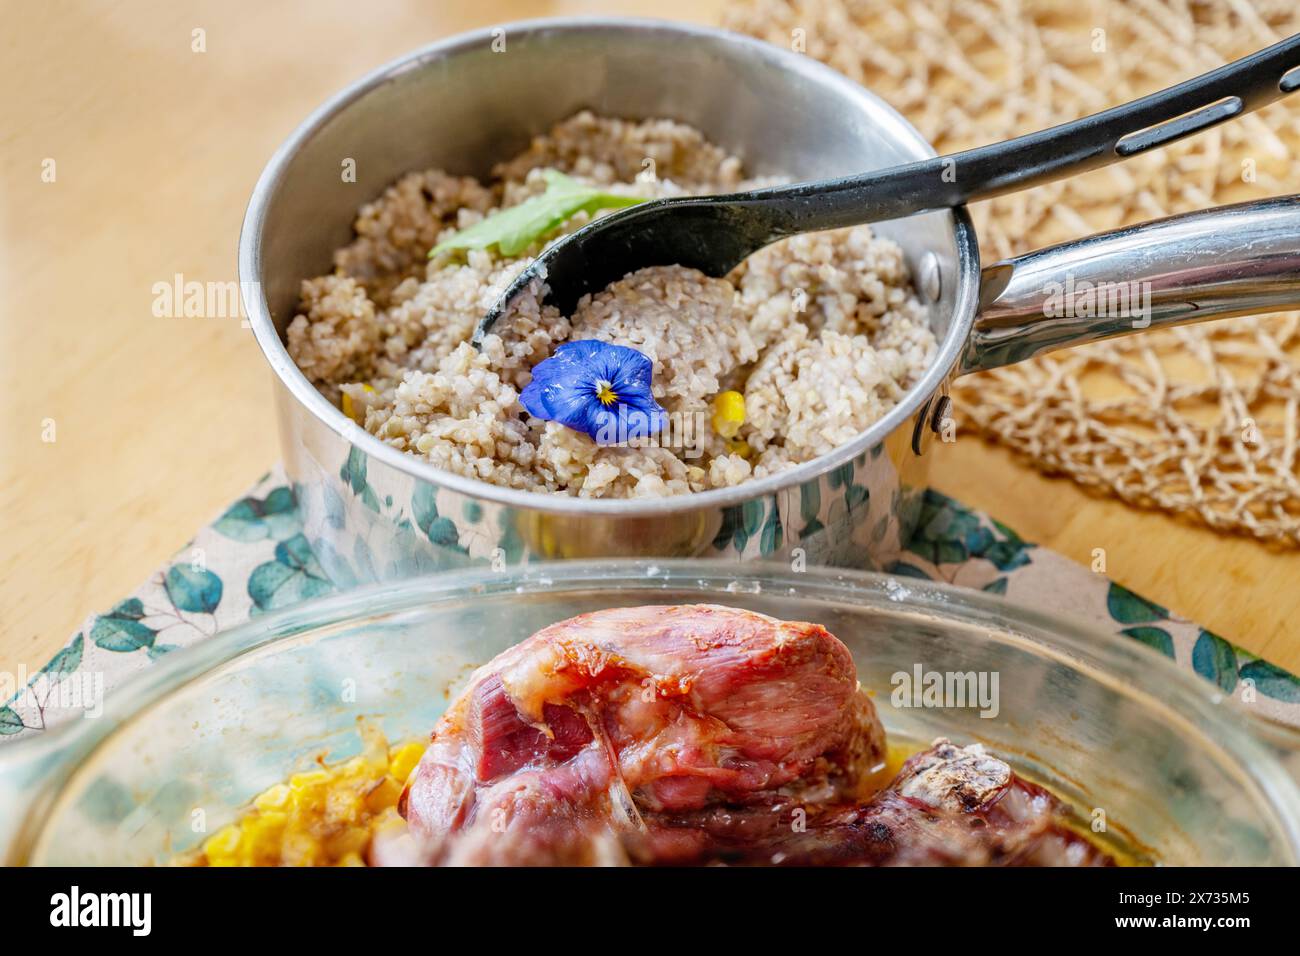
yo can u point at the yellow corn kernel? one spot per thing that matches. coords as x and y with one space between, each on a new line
222 847
350 408
728 413
383 795
301 849
309 790
738 446
350 840
403 760
352 770
343 806
262 835
323 816
273 798
308 779
261 826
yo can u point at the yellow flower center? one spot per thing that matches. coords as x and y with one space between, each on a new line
605 392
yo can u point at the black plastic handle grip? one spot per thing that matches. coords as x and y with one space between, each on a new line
1066 150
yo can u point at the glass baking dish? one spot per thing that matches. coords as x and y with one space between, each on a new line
1171 766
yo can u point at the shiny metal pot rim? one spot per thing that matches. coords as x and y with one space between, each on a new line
893 125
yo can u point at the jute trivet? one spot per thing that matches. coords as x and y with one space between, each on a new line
1201 421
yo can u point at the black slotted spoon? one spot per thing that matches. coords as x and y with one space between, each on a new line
714 234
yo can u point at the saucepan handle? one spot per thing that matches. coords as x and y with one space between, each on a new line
1231 260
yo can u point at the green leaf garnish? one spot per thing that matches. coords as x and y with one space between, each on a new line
515 229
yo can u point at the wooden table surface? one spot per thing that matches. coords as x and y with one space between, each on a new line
158 423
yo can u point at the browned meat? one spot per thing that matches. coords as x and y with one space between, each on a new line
562 742
950 806
694 735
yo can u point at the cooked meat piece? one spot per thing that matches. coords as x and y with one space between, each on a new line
949 806
559 745
698 735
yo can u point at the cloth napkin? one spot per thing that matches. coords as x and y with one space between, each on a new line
254 558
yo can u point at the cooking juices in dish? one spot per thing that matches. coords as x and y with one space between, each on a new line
689 734
806 344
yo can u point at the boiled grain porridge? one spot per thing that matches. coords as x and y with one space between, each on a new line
667 382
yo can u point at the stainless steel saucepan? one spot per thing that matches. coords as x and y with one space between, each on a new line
374 513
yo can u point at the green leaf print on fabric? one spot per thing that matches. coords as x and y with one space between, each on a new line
197 591
1005 555
10 722
108 802
253 519
1152 637
510 542
903 569
855 496
293 576
1128 608
354 473
773 532
752 513
948 532
337 568
740 523
810 501
424 506
67 660
1216 660
121 630
731 523
1272 681
440 530
57 668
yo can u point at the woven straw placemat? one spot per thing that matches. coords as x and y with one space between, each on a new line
1199 421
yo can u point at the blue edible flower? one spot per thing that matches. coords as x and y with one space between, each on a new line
596 388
